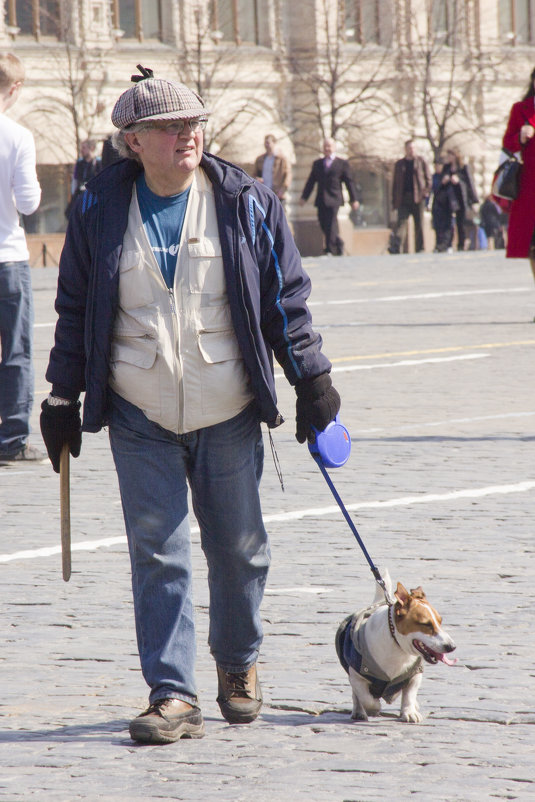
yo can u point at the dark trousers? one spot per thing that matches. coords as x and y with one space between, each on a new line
461 231
407 209
328 220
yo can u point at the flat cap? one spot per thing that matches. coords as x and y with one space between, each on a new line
157 99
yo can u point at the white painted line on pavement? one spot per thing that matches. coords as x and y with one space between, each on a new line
407 362
426 351
48 551
277 591
447 422
311 512
401 364
406 501
389 298
8 473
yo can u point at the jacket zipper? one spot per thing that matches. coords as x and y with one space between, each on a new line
180 383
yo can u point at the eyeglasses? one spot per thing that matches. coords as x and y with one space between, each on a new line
177 126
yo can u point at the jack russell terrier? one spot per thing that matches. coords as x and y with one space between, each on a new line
383 648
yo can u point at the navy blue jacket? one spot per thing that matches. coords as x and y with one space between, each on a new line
266 285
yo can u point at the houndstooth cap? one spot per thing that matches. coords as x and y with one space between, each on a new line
157 99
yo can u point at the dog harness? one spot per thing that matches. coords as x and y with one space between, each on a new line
353 652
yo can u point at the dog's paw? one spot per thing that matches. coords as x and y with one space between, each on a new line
359 716
411 715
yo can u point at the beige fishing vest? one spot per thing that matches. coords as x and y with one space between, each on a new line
174 352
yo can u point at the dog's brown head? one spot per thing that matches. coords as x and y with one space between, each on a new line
414 615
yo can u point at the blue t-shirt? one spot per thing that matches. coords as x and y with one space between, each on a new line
163 218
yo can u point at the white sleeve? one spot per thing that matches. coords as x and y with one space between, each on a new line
26 189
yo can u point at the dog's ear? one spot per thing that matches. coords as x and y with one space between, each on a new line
402 595
418 593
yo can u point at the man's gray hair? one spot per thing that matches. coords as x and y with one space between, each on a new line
120 144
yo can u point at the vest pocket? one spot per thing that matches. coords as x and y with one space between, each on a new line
218 346
135 286
133 349
224 385
206 274
134 372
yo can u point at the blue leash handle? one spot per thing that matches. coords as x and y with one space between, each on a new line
375 571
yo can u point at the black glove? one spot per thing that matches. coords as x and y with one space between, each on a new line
60 425
317 405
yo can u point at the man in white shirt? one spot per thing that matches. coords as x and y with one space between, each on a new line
20 193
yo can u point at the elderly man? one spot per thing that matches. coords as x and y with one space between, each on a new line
329 174
178 281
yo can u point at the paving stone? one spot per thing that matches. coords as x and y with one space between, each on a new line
421 430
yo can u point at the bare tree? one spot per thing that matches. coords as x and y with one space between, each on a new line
444 70
342 82
80 77
216 70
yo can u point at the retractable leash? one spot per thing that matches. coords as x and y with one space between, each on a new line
331 449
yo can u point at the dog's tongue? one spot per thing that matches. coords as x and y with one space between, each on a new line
444 659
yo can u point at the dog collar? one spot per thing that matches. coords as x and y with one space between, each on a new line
391 625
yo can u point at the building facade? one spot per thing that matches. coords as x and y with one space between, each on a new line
371 73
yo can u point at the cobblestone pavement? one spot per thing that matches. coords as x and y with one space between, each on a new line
433 357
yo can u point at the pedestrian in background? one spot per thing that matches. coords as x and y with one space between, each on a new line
86 167
411 188
20 193
329 174
109 153
461 192
178 282
272 168
519 136
492 220
436 181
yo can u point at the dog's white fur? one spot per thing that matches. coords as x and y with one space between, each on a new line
418 633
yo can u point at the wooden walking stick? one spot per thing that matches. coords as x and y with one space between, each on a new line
65 510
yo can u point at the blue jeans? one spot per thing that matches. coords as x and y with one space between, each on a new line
223 465
16 365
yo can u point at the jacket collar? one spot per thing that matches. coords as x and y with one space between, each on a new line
230 178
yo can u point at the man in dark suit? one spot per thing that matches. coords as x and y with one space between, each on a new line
329 174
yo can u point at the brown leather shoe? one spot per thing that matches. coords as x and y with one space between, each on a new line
239 695
166 721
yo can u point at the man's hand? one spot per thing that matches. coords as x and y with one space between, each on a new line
60 425
317 405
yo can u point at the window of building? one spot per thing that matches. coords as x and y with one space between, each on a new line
237 20
368 21
34 17
374 188
444 18
139 19
516 21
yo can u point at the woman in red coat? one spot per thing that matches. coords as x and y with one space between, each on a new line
520 136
